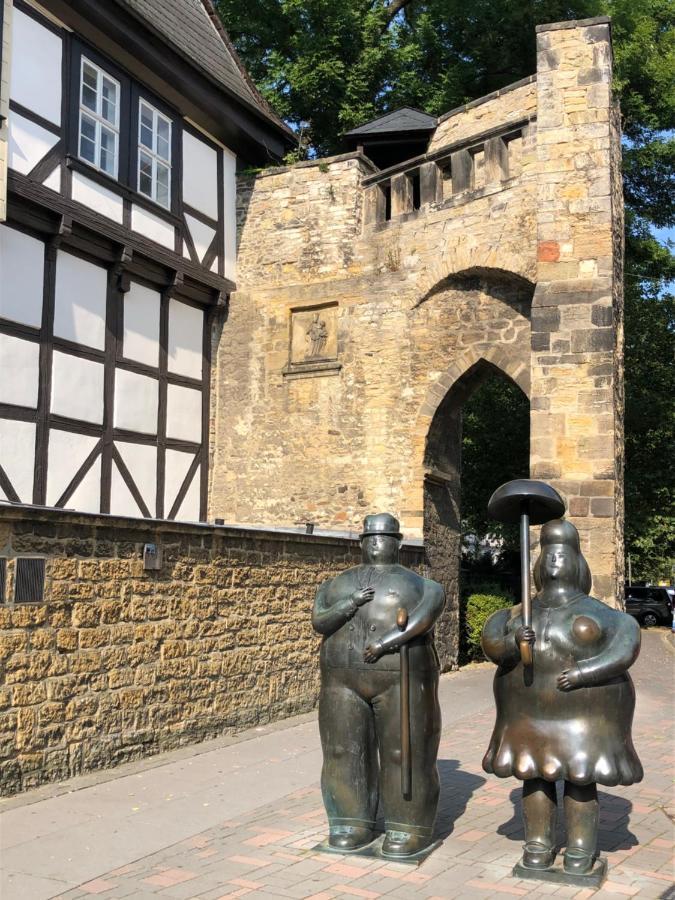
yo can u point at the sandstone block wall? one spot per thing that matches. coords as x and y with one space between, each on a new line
577 314
119 662
509 260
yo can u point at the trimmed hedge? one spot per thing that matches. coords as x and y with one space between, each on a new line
479 608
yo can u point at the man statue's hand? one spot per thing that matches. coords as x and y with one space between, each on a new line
373 652
365 595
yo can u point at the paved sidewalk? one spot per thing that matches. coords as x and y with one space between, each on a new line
239 817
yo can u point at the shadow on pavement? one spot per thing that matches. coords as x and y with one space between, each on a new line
613 831
457 788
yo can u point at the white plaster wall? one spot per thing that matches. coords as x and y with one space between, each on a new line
65 455
98 198
17 456
35 78
28 143
152 227
189 508
21 277
80 301
186 330
19 371
136 402
141 461
202 235
141 324
177 463
230 208
87 496
184 413
53 181
77 388
122 502
200 175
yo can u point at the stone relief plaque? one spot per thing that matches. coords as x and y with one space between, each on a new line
313 340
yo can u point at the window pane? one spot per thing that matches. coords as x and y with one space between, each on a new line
87 138
145 174
163 185
163 139
146 136
109 102
108 150
89 97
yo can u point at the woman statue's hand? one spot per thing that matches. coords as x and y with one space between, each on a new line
569 679
525 633
365 595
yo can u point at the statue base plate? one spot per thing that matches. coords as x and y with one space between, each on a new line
373 850
592 879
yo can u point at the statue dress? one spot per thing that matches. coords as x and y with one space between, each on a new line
570 716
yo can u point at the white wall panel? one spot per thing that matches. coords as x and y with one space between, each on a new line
53 181
141 461
141 324
122 502
152 227
177 463
21 277
189 508
87 496
136 401
79 307
17 456
28 143
19 370
202 235
65 455
184 413
77 388
200 175
35 77
230 208
186 333
98 198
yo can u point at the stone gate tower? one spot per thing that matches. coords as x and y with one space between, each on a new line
371 301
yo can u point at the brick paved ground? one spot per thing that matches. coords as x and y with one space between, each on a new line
268 854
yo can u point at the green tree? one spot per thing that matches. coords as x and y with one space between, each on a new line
330 65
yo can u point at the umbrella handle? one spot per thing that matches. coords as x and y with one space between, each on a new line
526 653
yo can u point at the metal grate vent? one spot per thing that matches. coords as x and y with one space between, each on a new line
3 578
29 580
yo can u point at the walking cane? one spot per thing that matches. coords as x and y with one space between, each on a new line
406 772
529 503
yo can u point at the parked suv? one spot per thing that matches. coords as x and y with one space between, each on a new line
649 605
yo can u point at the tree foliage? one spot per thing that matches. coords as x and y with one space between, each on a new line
330 65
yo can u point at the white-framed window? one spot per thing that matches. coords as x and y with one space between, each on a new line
154 154
99 124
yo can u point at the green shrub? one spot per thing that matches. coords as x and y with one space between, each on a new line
479 608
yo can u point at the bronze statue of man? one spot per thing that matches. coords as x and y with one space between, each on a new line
366 615
567 716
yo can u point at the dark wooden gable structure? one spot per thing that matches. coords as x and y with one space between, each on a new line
127 122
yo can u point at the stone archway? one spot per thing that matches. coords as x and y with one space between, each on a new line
442 490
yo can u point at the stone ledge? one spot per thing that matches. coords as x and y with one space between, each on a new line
310 370
574 23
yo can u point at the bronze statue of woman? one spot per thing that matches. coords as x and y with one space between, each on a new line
569 716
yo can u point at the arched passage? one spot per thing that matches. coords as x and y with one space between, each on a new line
443 489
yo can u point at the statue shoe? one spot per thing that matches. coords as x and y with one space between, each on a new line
537 856
403 843
577 861
350 837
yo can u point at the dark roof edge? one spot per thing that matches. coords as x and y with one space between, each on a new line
212 13
357 131
258 110
530 79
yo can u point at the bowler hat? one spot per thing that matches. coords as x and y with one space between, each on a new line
381 523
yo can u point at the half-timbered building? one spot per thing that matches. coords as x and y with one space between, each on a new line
124 123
